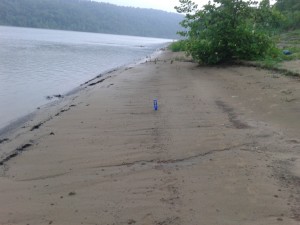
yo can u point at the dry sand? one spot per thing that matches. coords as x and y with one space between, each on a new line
223 149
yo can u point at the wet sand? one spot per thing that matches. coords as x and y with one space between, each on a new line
223 148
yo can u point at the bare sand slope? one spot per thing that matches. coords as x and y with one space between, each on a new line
293 65
223 149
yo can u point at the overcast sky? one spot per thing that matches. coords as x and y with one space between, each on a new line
166 5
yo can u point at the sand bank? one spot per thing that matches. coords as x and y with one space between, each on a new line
223 148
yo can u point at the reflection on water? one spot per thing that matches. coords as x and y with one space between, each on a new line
35 63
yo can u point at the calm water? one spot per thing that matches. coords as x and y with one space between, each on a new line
36 63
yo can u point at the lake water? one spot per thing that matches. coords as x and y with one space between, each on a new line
35 63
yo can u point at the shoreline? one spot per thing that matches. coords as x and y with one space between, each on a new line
45 113
217 149
17 123
48 70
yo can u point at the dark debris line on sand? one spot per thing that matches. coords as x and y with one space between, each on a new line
3 140
15 153
24 147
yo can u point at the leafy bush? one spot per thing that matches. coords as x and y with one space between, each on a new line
226 30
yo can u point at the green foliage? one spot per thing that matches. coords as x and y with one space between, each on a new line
89 16
292 20
226 30
291 10
178 46
290 41
286 41
288 5
268 18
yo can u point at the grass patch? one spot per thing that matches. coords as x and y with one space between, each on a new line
182 58
290 41
286 41
291 35
177 46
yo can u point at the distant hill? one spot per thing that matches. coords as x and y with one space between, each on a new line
88 16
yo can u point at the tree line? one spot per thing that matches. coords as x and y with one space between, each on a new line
89 16
291 12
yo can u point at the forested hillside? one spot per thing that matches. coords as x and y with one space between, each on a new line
89 16
291 10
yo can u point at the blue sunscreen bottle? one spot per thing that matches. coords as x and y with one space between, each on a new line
155 105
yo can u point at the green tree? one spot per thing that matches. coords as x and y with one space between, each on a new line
288 5
268 18
226 30
291 10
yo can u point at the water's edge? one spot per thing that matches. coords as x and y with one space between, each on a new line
18 123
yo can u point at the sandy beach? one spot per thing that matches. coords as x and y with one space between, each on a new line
223 148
